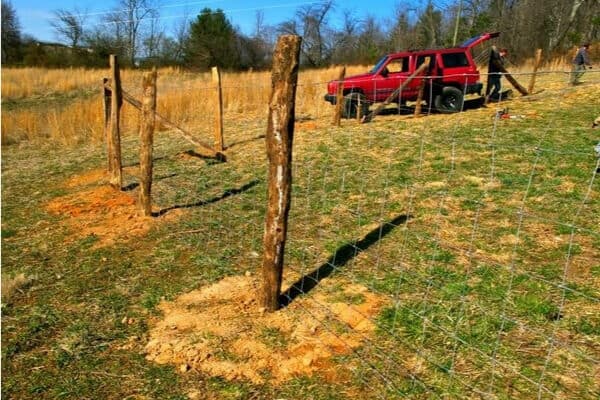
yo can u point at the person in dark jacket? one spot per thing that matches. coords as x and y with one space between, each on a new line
580 62
495 69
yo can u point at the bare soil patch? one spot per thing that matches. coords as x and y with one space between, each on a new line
110 215
220 330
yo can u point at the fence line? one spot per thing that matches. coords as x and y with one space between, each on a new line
408 249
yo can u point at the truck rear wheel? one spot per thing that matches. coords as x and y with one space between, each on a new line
353 102
449 101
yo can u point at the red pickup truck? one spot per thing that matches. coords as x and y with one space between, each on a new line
451 75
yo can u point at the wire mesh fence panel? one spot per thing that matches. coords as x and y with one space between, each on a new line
435 257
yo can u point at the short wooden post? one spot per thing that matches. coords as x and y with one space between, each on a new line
359 115
106 101
420 98
116 177
146 139
339 98
216 78
279 140
536 66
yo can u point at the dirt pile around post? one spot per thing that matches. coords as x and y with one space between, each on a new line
102 211
221 331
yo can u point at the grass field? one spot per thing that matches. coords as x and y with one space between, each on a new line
467 244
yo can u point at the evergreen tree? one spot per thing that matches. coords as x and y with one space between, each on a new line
212 41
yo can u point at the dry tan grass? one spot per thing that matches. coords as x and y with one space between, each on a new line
60 105
183 97
10 285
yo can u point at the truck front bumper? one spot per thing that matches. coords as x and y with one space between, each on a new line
331 98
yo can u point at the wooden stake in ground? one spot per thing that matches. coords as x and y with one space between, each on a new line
420 98
339 98
106 101
116 176
394 95
512 80
279 139
216 78
538 60
147 139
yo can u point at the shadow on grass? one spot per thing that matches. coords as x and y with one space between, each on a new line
134 185
234 144
227 193
469 104
340 258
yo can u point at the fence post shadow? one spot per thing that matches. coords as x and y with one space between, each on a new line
340 258
227 193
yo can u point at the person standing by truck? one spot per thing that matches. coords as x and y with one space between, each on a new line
580 62
495 69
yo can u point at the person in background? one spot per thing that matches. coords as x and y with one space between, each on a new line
495 68
580 62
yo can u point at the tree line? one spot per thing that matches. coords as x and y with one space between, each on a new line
134 30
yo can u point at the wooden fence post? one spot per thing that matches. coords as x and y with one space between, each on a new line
420 98
116 177
216 78
146 139
106 101
536 66
279 140
339 98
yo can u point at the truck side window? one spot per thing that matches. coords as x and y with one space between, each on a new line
430 58
454 60
398 65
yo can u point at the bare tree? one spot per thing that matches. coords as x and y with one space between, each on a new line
310 22
69 26
11 33
127 19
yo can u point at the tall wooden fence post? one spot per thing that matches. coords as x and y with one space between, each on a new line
106 101
536 66
279 140
339 98
216 78
147 139
420 98
116 177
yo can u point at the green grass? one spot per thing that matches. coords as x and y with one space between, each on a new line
460 292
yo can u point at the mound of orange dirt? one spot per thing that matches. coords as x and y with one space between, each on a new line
110 215
221 331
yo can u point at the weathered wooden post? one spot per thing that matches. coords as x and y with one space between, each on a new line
536 66
106 101
339 98
359 108
279 139
147 139
216 78
116 177
420 98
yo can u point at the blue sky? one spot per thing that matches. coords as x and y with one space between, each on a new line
34 15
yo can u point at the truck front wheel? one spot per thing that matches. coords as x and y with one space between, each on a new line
353 103
450 100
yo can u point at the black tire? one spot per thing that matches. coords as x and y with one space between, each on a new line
449 101
351 104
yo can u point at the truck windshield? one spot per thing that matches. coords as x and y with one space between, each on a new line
378 65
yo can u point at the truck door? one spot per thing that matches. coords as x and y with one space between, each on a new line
433 70
390 77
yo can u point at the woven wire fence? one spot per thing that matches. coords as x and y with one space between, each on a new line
477 233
